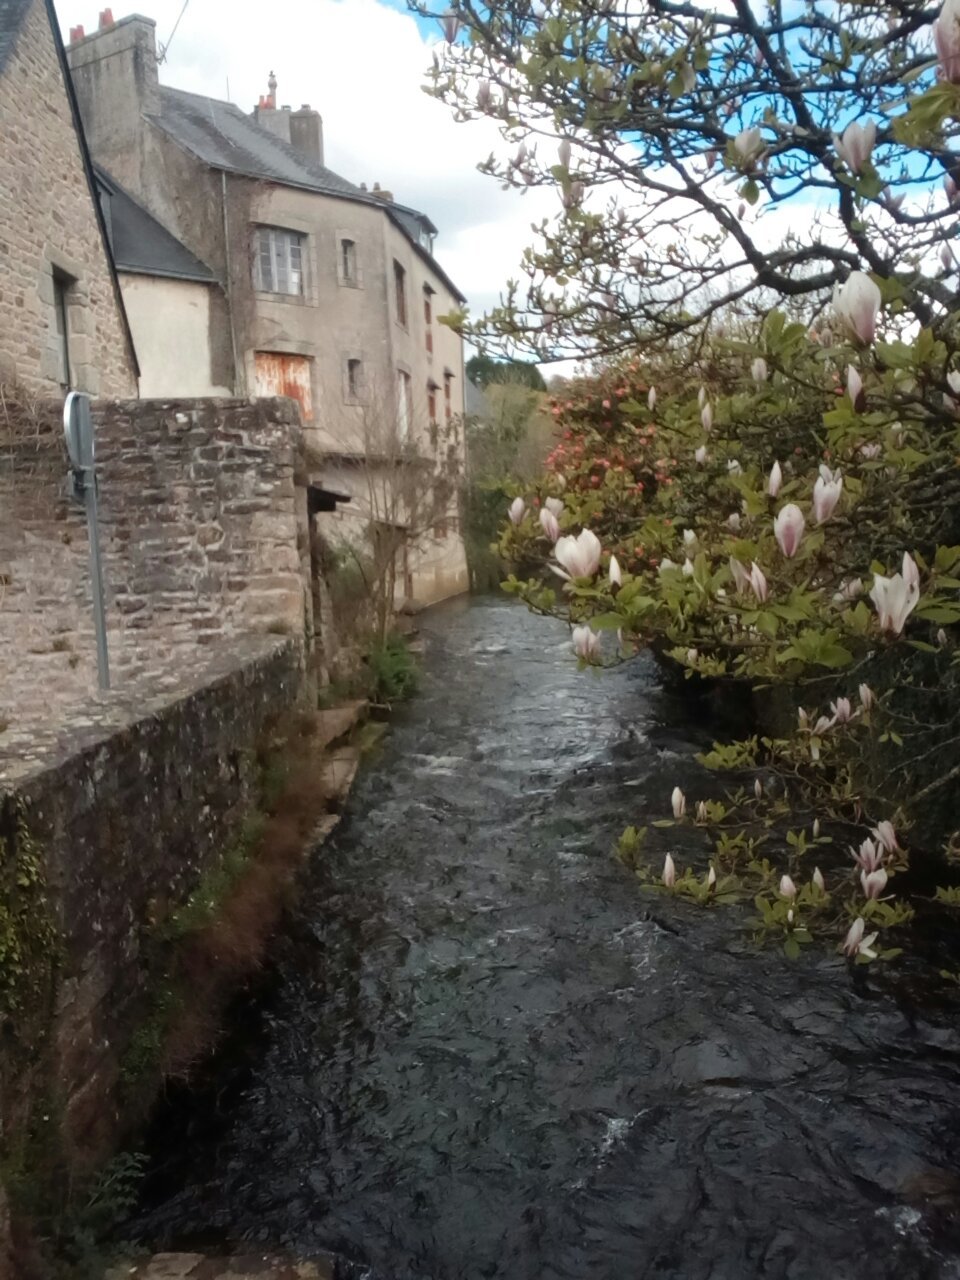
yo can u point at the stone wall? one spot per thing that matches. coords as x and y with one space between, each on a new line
204 525
48 223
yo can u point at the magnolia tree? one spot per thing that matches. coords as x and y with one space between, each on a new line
767 496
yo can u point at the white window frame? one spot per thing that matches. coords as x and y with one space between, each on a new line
283 252
404 405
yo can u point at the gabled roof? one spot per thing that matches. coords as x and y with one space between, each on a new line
226 138
12 13
143 246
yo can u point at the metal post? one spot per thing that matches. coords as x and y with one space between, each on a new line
78 430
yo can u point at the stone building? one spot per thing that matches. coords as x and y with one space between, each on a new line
62 318
330 293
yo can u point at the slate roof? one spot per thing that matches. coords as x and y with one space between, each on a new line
226 138
141 244
12 13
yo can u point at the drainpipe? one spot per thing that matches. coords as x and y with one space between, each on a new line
239 372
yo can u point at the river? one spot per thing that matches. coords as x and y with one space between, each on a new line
484 1051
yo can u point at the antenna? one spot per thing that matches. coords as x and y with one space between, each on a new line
165 48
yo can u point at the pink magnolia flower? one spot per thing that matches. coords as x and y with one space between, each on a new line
886 836
856 145
856 944
788 529
579 557
758 582
741 576
866 697
616 577
516 509
823 725
857 305
651 405
758 370
711 878
818 880
563 153
842 710
678 802
774 481
826 495
706 418
869 856
758 788
548 522
586 643
669 876
748 144
787 888
873 883
946 35
896 597
555 505
451 27
700 455
701 811
854 385
733 521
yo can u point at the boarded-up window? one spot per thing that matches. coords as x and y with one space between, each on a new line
279 374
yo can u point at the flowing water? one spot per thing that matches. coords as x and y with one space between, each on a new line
486 1052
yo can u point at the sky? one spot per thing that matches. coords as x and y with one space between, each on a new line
361 63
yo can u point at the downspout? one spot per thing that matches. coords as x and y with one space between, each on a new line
239 372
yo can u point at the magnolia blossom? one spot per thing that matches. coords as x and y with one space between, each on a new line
516 509
563 153
818 880
706 417
886 836
665 564
857 305
701 397
688 568
748 144
856 944
652 401
855 146
451 27
669 876
579 556
850 589
616 577
869 856
866 697
787 888
693 656
734 468
942 638
555 505
700 455
788 529
548 522
758 788
803 719
774 481
758 370
678 802
741 576
711 878
842 710
689 538
854 385
733 521
873 883
485 95
896 597
586 643
871 451
758 582
826 495
701 811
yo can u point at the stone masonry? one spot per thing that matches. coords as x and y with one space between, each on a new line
205 539
48 223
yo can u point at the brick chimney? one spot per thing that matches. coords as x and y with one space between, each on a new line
266 115
380 194
306 134
115 75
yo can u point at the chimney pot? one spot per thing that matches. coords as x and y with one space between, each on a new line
76 35
286 107
106 19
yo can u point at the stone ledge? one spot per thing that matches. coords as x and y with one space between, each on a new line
193 1266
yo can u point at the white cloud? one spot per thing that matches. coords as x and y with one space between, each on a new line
361 63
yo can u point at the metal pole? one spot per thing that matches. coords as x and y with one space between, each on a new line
96 576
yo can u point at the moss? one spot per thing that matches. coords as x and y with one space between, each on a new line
29 939
216 883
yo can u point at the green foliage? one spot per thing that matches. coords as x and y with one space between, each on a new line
483 370
393 671
29 940
217 882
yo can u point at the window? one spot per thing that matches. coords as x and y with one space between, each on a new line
61 303
348 262
448 396
278 261
400 292
354 379
432 401
428 316
404 404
